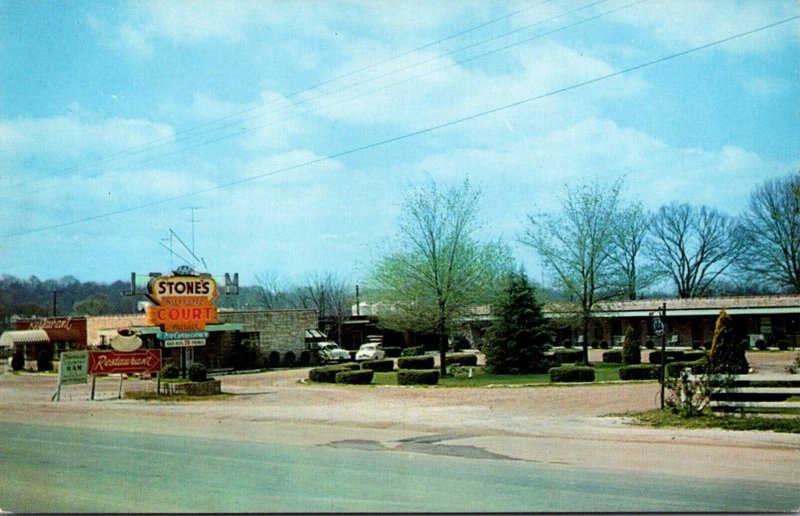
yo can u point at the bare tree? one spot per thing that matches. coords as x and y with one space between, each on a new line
771 233
630 234
439 269
694 246
271 295
576 246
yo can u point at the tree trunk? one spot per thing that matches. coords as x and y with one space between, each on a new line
585 339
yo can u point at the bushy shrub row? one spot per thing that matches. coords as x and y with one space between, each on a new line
327 374
413 351
612 357
415 362
170 371
571 374
417 377
671 356
463 359
363 377
567 356
382 366
639 372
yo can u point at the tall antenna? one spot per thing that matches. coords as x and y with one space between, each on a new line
193 220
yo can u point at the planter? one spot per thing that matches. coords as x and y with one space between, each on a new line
207 388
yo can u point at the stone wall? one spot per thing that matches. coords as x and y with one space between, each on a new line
279 330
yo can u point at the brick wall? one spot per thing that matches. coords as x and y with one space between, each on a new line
279 330
110 322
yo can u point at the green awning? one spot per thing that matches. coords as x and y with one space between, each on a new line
154 330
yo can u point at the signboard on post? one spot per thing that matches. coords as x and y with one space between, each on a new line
183 303
114 362
72 370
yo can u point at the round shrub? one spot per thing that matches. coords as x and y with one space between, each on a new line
567 344
671 356
18 361
783 345
417 362
363 377
305 358
382 366
649 344
392 352
289 359
571 374
761 345
568 356
197 372
274 359
604 344
413 351
170 371
327 374
44 361
595 344
612 357
707 345
417 377
697 344
463 359
639 372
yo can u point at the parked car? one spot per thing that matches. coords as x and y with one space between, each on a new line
370 351
331 352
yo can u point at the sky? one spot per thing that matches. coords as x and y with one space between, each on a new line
281 137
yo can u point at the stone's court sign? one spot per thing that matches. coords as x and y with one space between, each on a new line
114 362
73 368
183 302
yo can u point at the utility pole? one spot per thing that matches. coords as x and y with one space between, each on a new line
193 221
55 302
659 328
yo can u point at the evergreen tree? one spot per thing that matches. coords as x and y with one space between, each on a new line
631 351
515 342
727 352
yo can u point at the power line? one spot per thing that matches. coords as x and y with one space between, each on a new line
369 92
187 134
411 134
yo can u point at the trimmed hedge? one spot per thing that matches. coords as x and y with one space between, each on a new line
197 372
568 356
612 357
571 374
418 377
383 366
393 352
698 367
672 356
363 377
639 372
464 359
327 374
413 351
416 362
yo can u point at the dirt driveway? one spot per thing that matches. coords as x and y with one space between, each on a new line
564 425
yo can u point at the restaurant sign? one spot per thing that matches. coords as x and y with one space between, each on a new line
115 362
183 302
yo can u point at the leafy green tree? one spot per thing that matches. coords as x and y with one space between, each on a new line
438 268
631 350
727 351
577 246
515 343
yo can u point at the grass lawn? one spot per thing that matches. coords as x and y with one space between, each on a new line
665 418
481 378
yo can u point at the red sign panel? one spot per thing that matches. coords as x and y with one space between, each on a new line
116 362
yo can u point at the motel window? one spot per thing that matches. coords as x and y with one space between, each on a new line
765 326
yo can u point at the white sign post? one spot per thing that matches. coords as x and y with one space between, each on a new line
73 369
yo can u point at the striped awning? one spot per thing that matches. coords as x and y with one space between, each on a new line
10 339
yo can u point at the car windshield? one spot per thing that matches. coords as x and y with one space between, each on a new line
328 345
367 348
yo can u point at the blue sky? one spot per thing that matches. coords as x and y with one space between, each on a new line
116 117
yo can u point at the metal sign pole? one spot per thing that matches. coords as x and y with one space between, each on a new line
663 314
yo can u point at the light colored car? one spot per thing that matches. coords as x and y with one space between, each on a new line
331 352
370 351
